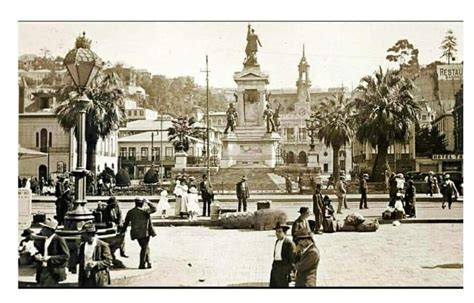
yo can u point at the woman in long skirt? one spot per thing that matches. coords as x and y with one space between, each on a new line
193 204
178 192
163 205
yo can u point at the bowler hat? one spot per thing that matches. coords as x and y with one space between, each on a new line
50 223
27 232
89 228
284 227
303 210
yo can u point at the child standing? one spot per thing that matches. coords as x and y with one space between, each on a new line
193 203
163 205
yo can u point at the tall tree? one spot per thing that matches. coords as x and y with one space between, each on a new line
182 131
334 118
385 113
406 55
104 113
448 45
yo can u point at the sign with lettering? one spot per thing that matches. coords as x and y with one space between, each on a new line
447 157
450 72
24 208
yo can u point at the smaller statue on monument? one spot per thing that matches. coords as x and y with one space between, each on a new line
252 47
268 117
232 117
276 118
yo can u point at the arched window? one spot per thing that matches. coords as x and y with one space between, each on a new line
302 159
50 139
44 140
290 157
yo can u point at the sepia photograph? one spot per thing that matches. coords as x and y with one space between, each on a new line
240 154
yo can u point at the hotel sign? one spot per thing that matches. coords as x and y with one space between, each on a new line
450 72
447 157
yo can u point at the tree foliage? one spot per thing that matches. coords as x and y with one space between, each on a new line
429 142
151 176
448 46
182 131
104 113
384 113
406 55
334 119
122 178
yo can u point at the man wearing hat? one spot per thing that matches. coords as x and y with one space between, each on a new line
341 194
318 207
52 256
301 224
207 195
448 188
363 187
27 249
283 258
243 193
95 259
307 266
142 228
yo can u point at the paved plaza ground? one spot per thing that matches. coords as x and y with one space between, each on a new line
406 255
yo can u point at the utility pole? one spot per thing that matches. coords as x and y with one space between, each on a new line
162 169
208 171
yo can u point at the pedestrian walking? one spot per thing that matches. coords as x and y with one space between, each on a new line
141 228
192 204
52 256
288 184
392 189
300 183
448 189
163 204
363 188
283 258
207 195
341 194
94 260
301 225
318 209
429 183
243 193
112 215
410 199
307 266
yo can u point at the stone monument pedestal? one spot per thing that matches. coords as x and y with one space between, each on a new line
250 146
181 160
313 159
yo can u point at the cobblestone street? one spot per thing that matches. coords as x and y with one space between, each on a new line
407 255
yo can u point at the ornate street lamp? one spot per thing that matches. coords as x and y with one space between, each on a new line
312 126
82 65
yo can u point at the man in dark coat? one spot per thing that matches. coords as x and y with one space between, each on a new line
301 225
243 193
142 228
52 256
63 203
318 207
95 259
363 187
283 258
307 266
207 195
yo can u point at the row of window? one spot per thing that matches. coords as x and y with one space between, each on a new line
145 153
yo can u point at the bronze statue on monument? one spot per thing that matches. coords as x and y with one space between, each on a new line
251 48
268 117
232 117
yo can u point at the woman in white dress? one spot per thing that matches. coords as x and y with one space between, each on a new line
178 192
163 205
193 204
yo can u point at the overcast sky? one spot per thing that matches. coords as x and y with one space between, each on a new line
338 52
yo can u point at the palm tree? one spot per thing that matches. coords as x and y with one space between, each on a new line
105 113
384 113
334 118
182 130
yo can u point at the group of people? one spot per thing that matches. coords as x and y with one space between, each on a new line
297 258
187 197
41 186
51 254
